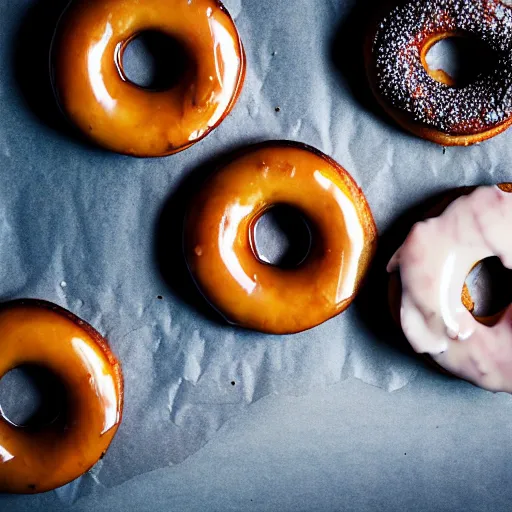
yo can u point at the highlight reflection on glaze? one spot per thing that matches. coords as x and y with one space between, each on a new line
5 456
94 60
101 381
227 67
434 263
352 254
95 93
228 233
219 239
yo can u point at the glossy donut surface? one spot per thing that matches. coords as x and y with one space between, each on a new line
94 93
40 459
220 248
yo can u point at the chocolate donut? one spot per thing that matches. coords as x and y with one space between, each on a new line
448 115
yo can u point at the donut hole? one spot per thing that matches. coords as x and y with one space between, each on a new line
31 397
153 60
282 237
490 289
457 60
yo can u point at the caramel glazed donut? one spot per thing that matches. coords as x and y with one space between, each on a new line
220 248
93 91
397 70
43 334
434 262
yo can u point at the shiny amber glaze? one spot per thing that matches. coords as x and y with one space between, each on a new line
40 333
219 238
405 121
94 93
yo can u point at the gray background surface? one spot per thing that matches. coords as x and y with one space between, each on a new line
302 429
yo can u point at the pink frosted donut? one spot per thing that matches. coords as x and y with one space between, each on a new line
434 262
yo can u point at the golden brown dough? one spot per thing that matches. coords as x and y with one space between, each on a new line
94 93
219 235
40 333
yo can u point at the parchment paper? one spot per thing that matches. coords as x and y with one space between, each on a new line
99 233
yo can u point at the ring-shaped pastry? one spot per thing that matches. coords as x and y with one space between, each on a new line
220 248
436 109
434 262
94 93
42 334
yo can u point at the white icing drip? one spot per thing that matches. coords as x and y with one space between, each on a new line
434 262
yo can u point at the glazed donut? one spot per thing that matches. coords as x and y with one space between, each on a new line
433 109
433 263
220 248
94 93
43 334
